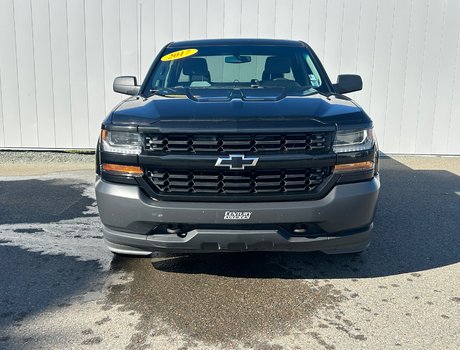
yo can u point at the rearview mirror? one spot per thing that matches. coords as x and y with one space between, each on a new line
237 59
126 85
348 83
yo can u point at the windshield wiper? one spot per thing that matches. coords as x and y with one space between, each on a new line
151 92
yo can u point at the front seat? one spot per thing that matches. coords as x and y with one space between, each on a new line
276 67
196 69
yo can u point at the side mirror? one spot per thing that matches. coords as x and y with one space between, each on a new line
126 85
348 83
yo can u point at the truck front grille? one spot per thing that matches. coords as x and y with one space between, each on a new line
181 143
215 182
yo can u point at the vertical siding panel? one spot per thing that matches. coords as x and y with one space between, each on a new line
411 97
11 128
283 19
215 19
429 79
249 19
266 19
445 88
129 38
95 69
396 81
232 19
77 69
350 36
26 73
61 82
112 50
43 74
181 19
381 67
333 37
2 131
149 45
317 27
198 14
300 20
163 23
366 50
453 146
351 21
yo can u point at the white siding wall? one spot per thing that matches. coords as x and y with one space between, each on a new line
58 59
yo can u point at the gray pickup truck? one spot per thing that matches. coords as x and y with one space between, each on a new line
237 145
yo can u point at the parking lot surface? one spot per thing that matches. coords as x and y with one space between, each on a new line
61 288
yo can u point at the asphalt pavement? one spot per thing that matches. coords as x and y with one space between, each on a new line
61 288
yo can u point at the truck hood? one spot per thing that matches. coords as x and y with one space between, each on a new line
172 113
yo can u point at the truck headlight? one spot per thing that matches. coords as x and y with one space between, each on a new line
121 142
353 140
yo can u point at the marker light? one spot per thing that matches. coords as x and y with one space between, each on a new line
360 166
118 169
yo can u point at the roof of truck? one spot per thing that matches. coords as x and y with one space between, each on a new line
213 42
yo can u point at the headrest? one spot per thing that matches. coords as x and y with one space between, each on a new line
195 66
277 65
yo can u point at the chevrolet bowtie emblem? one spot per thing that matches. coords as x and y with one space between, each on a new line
236 161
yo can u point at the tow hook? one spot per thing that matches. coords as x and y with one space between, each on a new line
176 230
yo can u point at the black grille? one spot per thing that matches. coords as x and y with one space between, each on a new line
236 182
181 143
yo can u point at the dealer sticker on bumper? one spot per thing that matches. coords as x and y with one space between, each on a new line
237 215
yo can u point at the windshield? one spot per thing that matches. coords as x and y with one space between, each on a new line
218 71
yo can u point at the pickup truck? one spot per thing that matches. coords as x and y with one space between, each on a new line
237 145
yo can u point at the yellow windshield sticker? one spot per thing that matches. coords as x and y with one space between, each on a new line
179 54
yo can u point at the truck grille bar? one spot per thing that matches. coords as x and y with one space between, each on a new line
181 143
216 182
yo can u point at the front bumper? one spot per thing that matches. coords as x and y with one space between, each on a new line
345 216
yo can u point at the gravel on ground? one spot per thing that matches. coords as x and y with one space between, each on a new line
16 163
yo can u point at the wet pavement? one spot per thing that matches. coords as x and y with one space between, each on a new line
61 288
